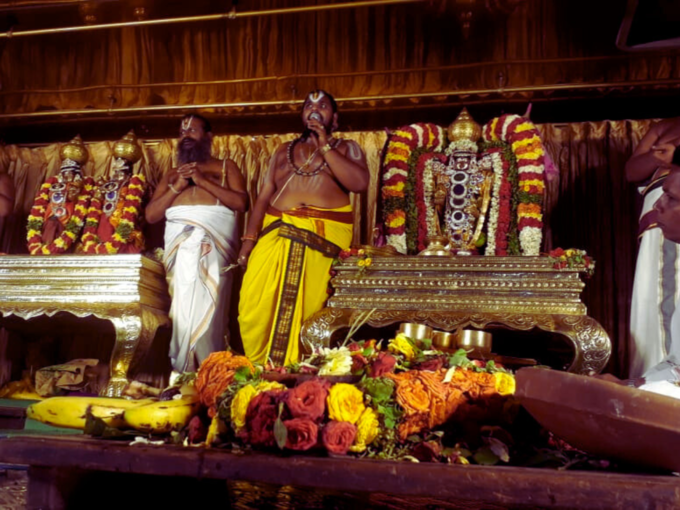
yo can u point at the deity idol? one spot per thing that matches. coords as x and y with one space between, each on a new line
113 222
57 216
462 188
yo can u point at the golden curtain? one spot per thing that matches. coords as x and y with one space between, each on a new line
589 204
363 52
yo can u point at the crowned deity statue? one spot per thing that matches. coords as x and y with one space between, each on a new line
462 189
113 222
57 216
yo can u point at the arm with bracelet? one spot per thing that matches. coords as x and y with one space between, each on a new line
171 186
265 195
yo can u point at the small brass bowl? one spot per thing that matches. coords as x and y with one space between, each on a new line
444 340
415 331
477 341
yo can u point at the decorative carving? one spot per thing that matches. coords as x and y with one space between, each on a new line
127 290
520 293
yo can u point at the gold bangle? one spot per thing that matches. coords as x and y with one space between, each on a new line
173 189
326 148
252 238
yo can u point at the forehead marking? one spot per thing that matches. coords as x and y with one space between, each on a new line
186 123
316 96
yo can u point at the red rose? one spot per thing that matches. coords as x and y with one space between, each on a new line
197 430
261 416
383 364
557 252
427 451
432 365
302 435
308 399
338 436
359 361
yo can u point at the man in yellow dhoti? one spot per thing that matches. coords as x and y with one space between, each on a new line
300 222
200 200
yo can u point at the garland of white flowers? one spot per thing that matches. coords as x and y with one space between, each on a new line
497 164
428 196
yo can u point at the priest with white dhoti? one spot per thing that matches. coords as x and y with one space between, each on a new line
200 200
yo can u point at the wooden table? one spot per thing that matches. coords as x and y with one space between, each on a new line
57 464
129 291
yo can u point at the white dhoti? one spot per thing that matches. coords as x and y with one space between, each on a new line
655 296
200 240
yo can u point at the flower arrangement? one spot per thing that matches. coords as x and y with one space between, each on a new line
124 219
364 260
572 259
402 403
523 137
395 200
36 220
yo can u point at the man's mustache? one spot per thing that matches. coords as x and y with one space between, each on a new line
188 141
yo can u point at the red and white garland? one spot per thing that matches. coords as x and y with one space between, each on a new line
400 144
525 141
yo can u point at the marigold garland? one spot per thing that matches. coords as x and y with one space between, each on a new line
395 201
36 220
524 139
127 220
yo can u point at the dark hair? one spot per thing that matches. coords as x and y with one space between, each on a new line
206 123
334 104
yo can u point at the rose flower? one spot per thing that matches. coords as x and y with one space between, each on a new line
338 436
308 400
302 435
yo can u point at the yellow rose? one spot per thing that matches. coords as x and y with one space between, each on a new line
401 344
239 405
345 403
361 263
368 261
504 383
367 430
268 386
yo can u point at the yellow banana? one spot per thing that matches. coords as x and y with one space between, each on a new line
160 417
70 412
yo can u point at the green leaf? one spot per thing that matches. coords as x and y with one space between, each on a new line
380 389
414 438
280 430
500 449
459 359
242 374
486 457
427 343
367 352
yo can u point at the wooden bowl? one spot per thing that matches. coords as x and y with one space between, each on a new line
604 418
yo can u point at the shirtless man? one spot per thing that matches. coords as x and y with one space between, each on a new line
656 277
301 220
200 200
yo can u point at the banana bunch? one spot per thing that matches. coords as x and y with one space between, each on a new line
70 412
163 416
148 415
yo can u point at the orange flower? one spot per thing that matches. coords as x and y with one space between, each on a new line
529 208
216 374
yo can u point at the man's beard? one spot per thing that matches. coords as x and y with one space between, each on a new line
193 151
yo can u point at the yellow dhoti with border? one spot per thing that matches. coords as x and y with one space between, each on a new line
287 278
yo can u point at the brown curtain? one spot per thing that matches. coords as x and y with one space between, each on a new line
589 205
400 49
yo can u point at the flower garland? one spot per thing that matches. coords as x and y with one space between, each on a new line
572 259
125 216
523 137
429 190
499 176
36 220
399 147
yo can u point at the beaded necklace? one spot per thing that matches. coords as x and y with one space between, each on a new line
301 170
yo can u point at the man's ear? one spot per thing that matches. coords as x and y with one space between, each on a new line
210 136
335 125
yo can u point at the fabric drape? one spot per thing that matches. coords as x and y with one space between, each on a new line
590 205
405 49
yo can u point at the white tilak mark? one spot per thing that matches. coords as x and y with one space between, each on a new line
315 97
354 150
187 122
